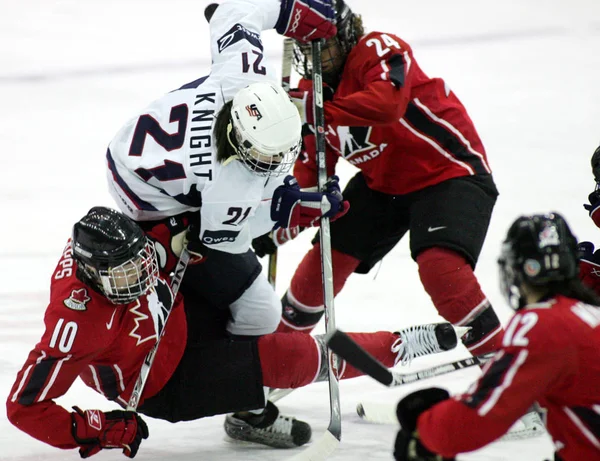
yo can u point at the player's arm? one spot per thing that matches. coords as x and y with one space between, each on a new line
236 47
519 373
386 79
51 367
305 168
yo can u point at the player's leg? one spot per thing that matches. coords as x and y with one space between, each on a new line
292 360
222 281
256 312
359 240
449 222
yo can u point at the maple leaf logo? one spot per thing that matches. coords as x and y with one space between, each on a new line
138 318
77 300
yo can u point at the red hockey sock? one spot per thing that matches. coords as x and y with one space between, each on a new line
303 303
295 359
450 282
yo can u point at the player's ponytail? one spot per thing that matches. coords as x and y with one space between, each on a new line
574 289
224 148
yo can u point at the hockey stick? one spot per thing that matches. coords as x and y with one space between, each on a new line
286 71
344 346
140 383
323 447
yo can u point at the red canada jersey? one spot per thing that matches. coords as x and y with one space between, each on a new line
403 130
550 355
104 344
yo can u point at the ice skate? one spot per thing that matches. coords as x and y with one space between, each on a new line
419 340
530 425
268 428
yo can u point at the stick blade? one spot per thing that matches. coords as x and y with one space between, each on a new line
344 346
319 450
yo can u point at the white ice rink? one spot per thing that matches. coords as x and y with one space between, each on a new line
72 71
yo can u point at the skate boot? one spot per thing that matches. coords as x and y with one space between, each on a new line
530 425
419 340
268 428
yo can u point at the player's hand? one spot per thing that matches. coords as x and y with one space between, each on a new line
292 207
303 100
267 244
596 165
306 20
589 266
593 207
408 446
94 430
170 236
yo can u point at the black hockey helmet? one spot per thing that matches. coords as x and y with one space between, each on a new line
113 255
538 250
596 164
349 31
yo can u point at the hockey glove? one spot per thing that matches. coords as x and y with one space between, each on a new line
94 430
267 244
306 20
169 237
303 100
596 165
589 266
593 207
408 446
292 207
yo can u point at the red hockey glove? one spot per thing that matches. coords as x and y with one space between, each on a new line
267 244
408 446
94 430
293 207
306 20
303 100
169 237
589 266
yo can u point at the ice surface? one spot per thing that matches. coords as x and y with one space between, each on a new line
71 72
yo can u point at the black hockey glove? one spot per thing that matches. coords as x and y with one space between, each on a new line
593 206
267 244
264 245
408 446
596 165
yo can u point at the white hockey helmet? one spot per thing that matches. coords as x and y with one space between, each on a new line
265 129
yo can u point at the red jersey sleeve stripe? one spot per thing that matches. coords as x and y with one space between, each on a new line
437 147
587 421
508 379
22 383
120 374
417 120
108 381
53 378
95 378
397 70
454 130
39 375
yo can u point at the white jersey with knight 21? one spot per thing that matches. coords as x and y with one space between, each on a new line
163 161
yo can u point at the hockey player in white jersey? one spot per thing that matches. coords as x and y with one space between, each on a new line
214 155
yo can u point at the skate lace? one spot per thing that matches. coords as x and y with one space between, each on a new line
415 341
282 425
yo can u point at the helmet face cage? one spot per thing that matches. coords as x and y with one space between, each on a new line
346 38
510 282
538 250
128 281
262 164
